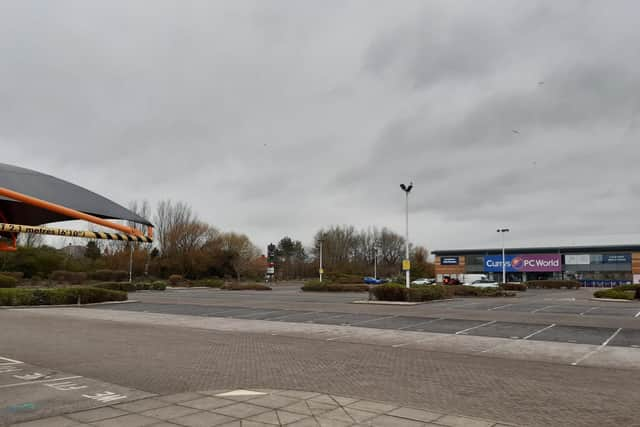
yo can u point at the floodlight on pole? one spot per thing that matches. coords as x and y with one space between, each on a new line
406 265
375 262
504 266
320 270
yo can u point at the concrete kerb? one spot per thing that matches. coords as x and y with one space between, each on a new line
613 300
398 303
68 305
405 303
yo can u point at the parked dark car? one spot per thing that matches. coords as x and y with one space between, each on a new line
450 281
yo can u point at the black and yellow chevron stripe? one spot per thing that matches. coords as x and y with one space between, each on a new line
15 228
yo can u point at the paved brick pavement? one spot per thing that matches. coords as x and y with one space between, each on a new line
164 359
257 408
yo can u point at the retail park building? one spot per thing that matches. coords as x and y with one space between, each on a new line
592 265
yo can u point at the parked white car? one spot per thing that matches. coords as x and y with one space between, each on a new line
423 282
468 279
483 283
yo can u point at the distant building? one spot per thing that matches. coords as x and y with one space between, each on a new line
591 265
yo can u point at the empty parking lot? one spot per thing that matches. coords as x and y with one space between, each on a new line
539 315
443 355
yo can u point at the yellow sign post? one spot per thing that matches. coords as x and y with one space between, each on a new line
406 265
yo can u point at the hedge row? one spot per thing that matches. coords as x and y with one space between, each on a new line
82 295
7 281
132 287
344 279
209 283
627 287
246 287
158 285
397 292
553 284
317 286
615 293
514 287
18 275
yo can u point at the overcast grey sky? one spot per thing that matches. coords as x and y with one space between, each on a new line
280 117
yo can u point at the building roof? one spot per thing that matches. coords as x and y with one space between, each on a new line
533 250
54 190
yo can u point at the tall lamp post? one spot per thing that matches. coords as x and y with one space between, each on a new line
405 263
320 270
375 262
504 266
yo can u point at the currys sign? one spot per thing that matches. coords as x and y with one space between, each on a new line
526 262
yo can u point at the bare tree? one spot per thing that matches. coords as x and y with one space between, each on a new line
143 210
168 219
181 236
30 240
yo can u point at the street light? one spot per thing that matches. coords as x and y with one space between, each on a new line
504 266
406 264
320 270
375 262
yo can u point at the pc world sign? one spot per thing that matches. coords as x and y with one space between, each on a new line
526 262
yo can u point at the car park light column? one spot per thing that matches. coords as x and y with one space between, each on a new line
320 270
504 266
406 264
375 262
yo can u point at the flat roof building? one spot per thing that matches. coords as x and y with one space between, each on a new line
607 265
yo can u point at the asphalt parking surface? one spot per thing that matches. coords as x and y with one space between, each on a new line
480 357
449 324
627 338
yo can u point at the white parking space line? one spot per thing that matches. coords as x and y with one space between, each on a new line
600 347
338 337
604 344
261 313
590 309
372 320
464 331
538 331
637 315
8 361
500 306
49 381
542 309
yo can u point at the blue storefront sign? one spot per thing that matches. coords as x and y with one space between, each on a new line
524 262
493 263
449 260
616 258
